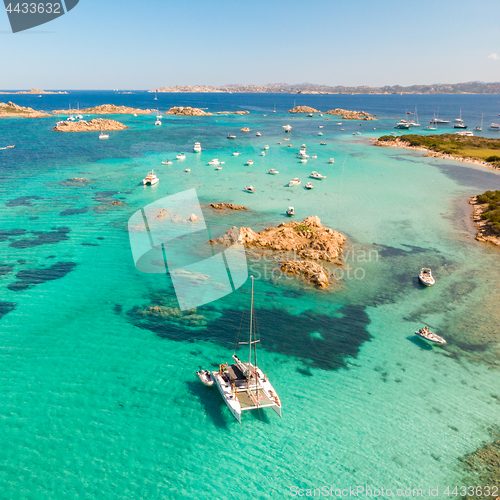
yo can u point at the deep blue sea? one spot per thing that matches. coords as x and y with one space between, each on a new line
100 397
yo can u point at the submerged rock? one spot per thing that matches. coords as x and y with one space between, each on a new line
230 206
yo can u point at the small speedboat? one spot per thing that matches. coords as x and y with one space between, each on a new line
181 156
286 139
168 162
250 189
323 143
263 153
290 212
287 128
197 147
272 171
425 277
314 157
315 175
309 185
236 153
157 122
151 179
320 133
231 136
206 377
215 161
429 336
303 160
249 162
187 170
258 134
320 126
294 182
102 135
266 147
8 147
218 167
331 160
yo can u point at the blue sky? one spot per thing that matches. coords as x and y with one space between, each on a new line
146 44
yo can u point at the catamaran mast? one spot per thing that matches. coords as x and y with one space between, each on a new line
251 325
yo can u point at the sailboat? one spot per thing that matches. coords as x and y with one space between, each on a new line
274 108
481 127
244 386
156 97
414 122
459 123
433 124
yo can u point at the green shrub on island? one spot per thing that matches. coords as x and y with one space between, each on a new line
492 214
480 148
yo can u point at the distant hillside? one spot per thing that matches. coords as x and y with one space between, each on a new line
311 88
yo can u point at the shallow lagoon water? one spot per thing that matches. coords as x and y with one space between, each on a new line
100 400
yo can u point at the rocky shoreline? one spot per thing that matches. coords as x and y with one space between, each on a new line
484 231
303 109
308 241
11 110
95 125
399 142
104 109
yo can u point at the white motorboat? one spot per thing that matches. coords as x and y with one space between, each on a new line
181 156
294 182
197 147
429 336
263 153
323 143
315 175
236 153
168 162
303 160
250 189
266 147
331 160
320 126
151 179
187 170
290 212
314 156
309 185
249 162
303 146
320 133
425 277
218 167
158 120
231 136
244 386
286 139
310 115
258 134
215 161
340 123
287 128
403 124
468 133
494 126
206 377
102 135
272 171
8 147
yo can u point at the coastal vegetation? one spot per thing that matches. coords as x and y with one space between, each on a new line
471 148
491 212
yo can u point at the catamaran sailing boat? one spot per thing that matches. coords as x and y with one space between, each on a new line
414 122
459 123
244 386
479 129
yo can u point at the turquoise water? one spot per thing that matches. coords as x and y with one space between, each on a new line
102 401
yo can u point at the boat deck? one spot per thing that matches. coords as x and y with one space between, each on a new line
247 403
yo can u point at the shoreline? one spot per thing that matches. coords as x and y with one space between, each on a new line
399 142
484 234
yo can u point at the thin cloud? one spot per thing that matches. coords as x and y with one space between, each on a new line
494 56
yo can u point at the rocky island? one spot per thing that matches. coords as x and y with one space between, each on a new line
307 241
350 115
34 91
10 110
96 125
303 109
230 206
486 215
187 111
478 150
104 109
